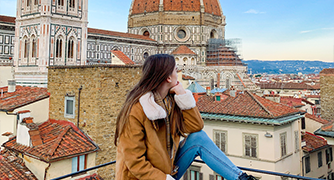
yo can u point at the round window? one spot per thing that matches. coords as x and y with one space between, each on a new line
181 34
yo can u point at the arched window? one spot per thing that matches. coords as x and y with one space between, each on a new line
71 3
146 33
34 47
35 2
28 2
26 48
59 47
70 50
60 2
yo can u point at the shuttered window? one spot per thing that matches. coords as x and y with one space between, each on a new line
250 144
220 137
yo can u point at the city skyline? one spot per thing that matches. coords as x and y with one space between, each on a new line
275 30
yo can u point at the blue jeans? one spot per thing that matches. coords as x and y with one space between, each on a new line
199 144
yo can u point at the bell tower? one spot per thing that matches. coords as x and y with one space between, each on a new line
48 33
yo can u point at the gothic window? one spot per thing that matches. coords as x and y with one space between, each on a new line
26 48
59 47
60 2
28 2
145 55
72 3
34 47
70 50
35 2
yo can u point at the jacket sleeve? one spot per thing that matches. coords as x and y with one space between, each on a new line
133 149
192 118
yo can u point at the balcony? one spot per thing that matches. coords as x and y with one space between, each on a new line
282 175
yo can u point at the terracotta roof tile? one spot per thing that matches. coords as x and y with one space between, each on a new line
7 19
313 142
245 104
21 97
142 6
327 71
13 167
291 101
183 50
118 34
186 77
290 85
61 139
122 57
317 119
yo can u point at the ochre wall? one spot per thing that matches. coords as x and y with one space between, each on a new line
100 102
327 96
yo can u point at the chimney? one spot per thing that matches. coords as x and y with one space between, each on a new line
218 80
11 85
232 91
35 137
208 91
22 134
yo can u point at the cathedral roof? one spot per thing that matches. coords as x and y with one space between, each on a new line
7 19
147 6
183 50
118 34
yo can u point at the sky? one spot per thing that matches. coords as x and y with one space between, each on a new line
268 29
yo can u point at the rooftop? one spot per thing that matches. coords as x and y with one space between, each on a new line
245 104
21 97
60 140
196 88
327 71
290 85
317 119
7 19
118 34
183 50
13 168
313 142
124 58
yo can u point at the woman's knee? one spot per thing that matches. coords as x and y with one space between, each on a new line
198 136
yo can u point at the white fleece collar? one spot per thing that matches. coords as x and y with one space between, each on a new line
151 109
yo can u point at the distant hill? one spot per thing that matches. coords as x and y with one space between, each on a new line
287 66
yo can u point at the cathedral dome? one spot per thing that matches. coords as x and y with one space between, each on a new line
149 6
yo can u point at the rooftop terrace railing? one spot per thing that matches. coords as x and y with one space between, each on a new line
199 161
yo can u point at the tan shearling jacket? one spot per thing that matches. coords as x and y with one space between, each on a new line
142 150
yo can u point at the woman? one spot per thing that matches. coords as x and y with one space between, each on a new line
156 113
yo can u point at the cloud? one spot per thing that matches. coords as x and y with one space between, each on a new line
307 31
253 11
302 32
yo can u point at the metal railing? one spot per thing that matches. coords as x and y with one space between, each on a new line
199 161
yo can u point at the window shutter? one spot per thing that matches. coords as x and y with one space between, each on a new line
217 140
222 142
82 163
75 164
211 177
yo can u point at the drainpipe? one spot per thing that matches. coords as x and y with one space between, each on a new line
79 105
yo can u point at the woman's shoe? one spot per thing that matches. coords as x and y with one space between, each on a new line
244 176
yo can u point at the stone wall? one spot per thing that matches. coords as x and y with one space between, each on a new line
327 94
103 92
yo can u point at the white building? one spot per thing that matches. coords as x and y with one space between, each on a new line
253 132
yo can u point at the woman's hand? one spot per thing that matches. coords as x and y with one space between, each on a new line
177 89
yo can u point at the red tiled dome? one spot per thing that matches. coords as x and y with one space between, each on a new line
147 6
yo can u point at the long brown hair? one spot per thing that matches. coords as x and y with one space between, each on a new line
156 70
